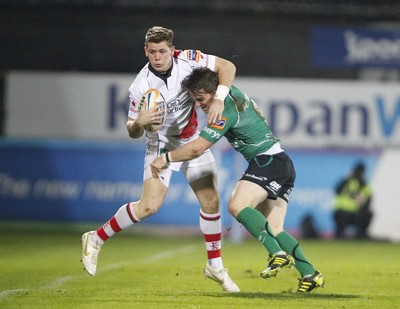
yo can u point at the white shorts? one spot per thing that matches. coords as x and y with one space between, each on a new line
194 169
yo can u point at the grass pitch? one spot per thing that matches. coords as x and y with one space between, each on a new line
40 268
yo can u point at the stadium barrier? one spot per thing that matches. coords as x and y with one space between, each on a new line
74 181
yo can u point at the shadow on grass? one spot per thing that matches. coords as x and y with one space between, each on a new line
283 295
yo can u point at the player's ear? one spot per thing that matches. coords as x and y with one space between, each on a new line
145 51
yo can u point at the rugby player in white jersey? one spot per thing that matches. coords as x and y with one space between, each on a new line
165 71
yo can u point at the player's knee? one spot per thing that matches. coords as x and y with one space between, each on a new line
149 209
210 203
152 209
233 209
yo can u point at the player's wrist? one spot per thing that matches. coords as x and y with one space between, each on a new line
222 92
166 158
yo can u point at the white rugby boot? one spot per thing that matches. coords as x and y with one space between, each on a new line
222 278
90 253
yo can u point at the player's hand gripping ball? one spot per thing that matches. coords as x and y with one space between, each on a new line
152 98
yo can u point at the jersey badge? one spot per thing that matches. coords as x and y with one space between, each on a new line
219 123
193 55
133 106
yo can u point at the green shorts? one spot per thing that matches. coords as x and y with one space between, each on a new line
275 173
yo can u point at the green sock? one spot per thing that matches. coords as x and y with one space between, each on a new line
257 225
292 247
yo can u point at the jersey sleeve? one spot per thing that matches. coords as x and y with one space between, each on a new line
198 59
215 131
139 86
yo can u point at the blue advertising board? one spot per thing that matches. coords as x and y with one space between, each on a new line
88 181
341 47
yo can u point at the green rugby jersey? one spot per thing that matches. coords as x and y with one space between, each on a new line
243 125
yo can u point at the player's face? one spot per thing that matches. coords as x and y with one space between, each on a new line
202 99
160 55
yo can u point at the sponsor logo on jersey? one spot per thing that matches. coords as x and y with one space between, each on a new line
193 55
134 106
212 133
219 123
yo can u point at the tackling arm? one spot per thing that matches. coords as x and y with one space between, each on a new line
226 71
190 150
186 152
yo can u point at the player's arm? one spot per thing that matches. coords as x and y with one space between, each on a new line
134 128
226 71
145 117
186 152
139 117
190 150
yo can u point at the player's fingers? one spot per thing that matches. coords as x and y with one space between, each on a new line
158 119
211 118
160 115
154 171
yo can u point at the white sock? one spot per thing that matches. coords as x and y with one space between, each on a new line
210 225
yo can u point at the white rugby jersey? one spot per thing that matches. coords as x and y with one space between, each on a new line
181 117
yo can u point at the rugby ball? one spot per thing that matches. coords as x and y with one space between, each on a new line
151 98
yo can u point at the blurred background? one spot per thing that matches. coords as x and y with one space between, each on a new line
325 73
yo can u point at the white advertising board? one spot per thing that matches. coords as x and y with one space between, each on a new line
303 113
67 105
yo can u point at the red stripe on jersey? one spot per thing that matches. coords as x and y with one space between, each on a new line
114 225
102 234
191 127
212 237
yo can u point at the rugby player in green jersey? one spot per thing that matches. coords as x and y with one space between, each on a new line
260 200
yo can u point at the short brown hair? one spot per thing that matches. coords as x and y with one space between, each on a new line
201 79
159 34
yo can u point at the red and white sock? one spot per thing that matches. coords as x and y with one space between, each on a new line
123 218
210 225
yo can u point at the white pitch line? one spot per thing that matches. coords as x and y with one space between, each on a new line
6 293
57 282
61 280
167 254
